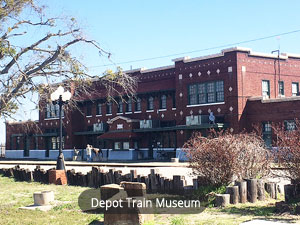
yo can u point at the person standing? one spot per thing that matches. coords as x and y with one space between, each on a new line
88 153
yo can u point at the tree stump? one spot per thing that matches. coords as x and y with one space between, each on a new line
252 190
289 192
261 190
234 194
242 190
271 189
222 200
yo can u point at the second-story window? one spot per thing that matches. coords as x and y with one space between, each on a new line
108 108
202 93
174 100
129 105
163 102
295 89
280 87
193 94
138 106
150 103
52 111
211 92
99 109
88 109
266 89
208 92
120 106
220 91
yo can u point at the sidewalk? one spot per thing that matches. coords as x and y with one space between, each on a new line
84 163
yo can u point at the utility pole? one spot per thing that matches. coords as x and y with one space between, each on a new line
278 58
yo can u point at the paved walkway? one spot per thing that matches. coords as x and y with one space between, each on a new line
264 222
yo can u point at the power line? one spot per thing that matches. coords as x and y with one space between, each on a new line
199 50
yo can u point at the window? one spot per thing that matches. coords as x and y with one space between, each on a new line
267 128
117 145
295 89
108 108
120 106
126 145
138 105
280 87
209 92
129 105
202 93
88 109
52 111
290 125
193 94
174 100
163 102
220 91
55 143
267 133
150 103
266 89
99 109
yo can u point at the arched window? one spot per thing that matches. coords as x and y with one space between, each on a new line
150 103
163 102
138 106
129 105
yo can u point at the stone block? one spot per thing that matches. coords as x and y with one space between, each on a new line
43 198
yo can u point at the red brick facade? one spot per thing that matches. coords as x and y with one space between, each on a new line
239 70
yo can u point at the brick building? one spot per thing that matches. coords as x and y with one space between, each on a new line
233 89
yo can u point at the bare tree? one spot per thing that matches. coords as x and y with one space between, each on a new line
223 157
36 51
288 144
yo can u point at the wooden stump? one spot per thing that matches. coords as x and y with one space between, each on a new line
222 200
252 190
289 192
234 194
261 190
242 190
271 189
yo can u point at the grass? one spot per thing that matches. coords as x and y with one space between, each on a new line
16 194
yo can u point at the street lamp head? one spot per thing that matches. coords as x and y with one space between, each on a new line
66 96
54 96
60 90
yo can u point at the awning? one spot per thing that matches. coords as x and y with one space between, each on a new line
120 135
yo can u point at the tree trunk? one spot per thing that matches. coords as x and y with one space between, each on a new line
222 200
271 189
242 190
234 194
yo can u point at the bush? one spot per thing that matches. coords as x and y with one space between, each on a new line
288 149
223 157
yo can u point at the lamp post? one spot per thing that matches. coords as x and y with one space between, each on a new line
60 97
